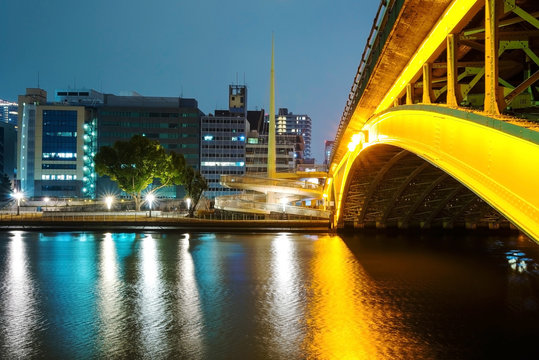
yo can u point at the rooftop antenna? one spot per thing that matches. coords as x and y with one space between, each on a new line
38 79
237 78
244 78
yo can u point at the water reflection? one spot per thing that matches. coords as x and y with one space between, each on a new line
150 310
285 299
338 326
110 297
20 317
265 296
190 319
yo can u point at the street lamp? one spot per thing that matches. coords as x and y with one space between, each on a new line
188 201
18 196
108 200
46 201
150 198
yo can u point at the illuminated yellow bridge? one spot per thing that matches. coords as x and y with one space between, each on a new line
441 125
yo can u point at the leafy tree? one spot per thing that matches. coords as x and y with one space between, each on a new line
136 163
5 188
195 184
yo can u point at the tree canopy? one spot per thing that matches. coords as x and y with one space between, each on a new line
136 163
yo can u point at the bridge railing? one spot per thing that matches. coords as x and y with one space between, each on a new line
384 20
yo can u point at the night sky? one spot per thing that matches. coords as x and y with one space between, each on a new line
193 49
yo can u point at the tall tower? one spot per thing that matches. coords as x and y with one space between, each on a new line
271 134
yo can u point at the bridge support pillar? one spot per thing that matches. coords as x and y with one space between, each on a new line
453 89
427 84
410 94
493 92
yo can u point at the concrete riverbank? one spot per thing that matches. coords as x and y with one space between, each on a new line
104 221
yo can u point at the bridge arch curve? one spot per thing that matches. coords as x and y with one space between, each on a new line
434 165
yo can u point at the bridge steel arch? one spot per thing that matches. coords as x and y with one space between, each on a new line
495 159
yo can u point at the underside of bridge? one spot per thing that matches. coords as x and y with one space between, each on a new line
392 187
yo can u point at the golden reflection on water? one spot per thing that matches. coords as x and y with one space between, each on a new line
338 323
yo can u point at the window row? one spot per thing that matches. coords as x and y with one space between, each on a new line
58 177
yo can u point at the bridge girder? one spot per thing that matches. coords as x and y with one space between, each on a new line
481 55
427 165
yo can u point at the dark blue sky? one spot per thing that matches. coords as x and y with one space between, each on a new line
194 48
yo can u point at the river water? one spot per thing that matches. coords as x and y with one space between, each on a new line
268 296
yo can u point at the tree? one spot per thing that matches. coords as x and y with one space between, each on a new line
136 163
5 188
195 184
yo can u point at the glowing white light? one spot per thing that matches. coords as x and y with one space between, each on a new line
108 200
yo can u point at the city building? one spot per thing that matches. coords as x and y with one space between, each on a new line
288 123
51 148
58 141
9 112
222 142
8 150
288 153
173 121
328 148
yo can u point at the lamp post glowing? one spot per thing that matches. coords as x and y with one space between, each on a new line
18 196
108 200
150 199
188 202
46 201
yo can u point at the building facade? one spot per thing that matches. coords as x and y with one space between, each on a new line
8 150
51 152
222 150
288 123
9 112
58 141
174 122
288 153
328 148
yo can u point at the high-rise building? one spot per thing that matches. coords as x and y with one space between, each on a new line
51 148
288 123
328 148
222 142
8 150
9 112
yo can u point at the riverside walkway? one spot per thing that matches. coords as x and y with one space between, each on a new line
141 221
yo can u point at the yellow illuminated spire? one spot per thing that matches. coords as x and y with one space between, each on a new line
271 134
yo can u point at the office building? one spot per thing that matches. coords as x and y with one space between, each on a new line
288 123
8 150
9 112
288 153
51 149
222 142
328 148
173 121
59 140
